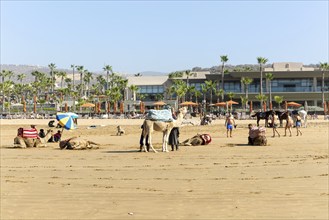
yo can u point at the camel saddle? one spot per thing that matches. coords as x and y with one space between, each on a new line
164 115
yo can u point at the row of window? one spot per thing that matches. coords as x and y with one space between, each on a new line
281 85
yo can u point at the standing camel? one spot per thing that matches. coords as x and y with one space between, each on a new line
165 127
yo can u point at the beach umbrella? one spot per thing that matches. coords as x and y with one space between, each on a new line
188 103
293 104
231 102
159 103
220 104
88 105
65 119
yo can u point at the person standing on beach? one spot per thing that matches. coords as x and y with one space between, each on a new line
275 124
174 133
298 124
289 124
229 123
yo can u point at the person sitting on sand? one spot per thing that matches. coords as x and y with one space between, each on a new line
57 136
42 133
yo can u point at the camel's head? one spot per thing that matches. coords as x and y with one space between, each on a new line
50 131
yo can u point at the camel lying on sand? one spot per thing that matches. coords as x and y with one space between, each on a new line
165 127
77 143
23 142
197 140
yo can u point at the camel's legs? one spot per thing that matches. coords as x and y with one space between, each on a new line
150 143
165 142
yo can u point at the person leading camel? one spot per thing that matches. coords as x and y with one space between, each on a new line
174 134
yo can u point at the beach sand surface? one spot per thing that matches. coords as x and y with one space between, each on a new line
227 179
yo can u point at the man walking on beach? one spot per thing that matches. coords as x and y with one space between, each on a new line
229 123
275 124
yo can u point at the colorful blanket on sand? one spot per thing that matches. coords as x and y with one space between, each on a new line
28 133
160 115
256 132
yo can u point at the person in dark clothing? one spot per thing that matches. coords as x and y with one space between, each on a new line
174 133
173 138
51 123
57 136
42 133
141 141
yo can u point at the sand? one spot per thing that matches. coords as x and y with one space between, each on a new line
227 179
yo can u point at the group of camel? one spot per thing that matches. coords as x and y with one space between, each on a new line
148 127
282 115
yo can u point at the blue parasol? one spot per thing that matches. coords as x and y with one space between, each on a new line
66 120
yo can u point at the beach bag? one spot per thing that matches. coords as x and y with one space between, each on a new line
164 115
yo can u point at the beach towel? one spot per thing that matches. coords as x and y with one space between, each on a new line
160 115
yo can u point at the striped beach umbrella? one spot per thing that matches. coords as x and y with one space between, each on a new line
66 120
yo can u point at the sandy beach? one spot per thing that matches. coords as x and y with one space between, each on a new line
227 179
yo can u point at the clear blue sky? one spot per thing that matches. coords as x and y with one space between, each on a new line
163 36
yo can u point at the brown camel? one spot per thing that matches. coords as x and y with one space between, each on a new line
76 143
165 127
32 142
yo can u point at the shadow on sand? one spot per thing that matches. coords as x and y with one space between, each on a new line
121 151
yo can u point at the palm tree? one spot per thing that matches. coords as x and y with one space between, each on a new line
324 68
261 61
62 75
80 69
87 78
279 100
211 86
107 68
204 92
52 67
101 83
223 59
21 77
246 82
261 98
73 80
219 93
134 89
269 77
197 94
